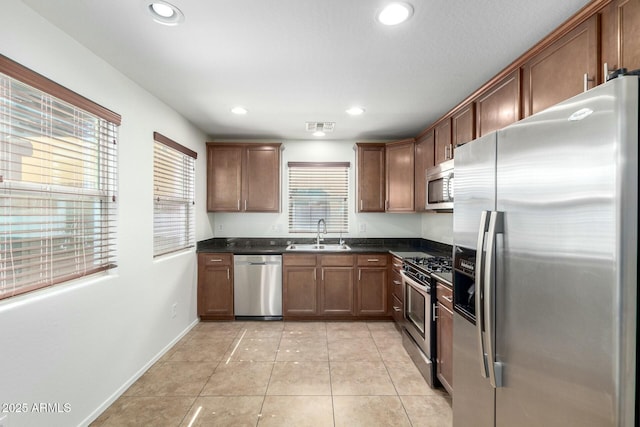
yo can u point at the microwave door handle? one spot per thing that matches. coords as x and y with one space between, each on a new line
480 256
496 226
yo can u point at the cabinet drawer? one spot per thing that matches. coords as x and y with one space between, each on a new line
372 260
397 310
213 259
396 286
444 295
396 264
336 260
299 260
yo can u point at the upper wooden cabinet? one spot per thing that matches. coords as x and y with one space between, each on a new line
564 69
243 177
463 127
399 167
444 147
370 189
424 159
621 35
499 105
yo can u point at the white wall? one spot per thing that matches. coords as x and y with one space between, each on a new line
276 224
82 343
438 227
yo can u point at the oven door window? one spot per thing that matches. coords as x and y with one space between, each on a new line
415 309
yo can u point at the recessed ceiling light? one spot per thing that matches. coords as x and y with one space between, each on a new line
395 13
239 110
355 111
164 12
318 133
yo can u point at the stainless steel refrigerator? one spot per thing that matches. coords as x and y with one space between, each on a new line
545 253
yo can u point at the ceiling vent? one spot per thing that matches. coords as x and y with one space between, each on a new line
320 126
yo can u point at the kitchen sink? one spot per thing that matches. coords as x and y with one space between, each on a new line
315 247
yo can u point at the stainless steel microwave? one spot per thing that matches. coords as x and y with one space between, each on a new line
440 187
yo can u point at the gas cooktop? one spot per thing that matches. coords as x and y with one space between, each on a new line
431 264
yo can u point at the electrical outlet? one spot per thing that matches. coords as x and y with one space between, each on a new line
363 227
174 310
219 227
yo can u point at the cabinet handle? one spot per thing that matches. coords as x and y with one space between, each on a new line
323 274
450 150
396 308
359 275
447 298
586 81
360 204
397 265
373 260
228 275
314 275
238 204
606 71
245 205
433 309
215 260
395 282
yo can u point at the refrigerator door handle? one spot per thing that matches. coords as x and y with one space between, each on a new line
480 257
496 226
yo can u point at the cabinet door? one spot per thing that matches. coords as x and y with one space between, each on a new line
564 69
444 148
372 292
261 185
463 127
224 178
444 325
371 178
336 292
400 177
621 35
299 291
424 159
215 287
499 105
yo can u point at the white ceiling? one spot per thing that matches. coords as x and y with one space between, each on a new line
292 61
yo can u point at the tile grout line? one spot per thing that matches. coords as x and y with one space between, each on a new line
266 390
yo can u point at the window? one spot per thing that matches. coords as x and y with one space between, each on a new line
173 194
58 182
318 191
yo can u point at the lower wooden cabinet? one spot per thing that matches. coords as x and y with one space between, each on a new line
334 286
444 334
215 286
372 285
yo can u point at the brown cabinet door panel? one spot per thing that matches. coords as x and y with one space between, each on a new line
444 340
499 105
621 35
400 171
336 292
424 159
261 187
224 178
300 291
444 149
215 285
558 72
371 178
372 291
463 125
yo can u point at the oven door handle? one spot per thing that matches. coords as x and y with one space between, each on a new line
479 280
415 285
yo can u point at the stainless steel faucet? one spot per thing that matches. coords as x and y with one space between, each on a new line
324 227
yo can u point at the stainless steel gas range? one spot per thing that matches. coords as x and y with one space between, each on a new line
419 328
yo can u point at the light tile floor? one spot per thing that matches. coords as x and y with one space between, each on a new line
283 374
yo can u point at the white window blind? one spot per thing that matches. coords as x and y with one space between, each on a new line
58 166
318 191
173 184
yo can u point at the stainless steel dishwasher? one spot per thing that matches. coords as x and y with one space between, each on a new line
257 287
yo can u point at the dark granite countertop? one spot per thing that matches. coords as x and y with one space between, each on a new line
445 278
244 246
